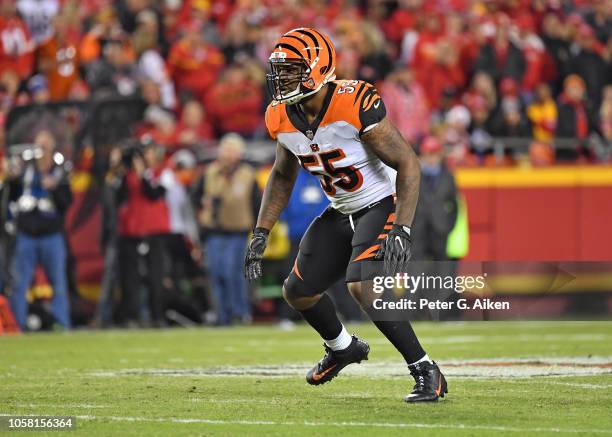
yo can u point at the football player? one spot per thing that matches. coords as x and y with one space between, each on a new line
337 130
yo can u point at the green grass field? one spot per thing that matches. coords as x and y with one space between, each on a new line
505 378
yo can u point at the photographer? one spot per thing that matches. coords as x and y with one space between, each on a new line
108 238
39 196
143 224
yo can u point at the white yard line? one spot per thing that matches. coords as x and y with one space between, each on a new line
416 425
344 424
78 406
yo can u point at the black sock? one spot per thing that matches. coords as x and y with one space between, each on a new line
402 336
323 318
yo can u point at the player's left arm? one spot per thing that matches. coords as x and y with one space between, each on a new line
388 144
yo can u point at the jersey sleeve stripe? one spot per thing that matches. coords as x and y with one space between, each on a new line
359 91
365 99
374 99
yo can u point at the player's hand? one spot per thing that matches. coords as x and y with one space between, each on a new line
254 255
395 250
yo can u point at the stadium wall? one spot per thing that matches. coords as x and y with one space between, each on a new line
539 214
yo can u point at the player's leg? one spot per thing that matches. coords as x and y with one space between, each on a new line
430 382
324 253
371 227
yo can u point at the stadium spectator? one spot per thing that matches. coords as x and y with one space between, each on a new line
105 26
600 20
103 316
436 61
554 36
588 63
58 59
41 195
9 92
16 44
230 200
38 16
542 114
509 119
183 242
240 39
194 64
406 104
234 103
448 100
537 65
481 139
374 61
481 87
143 221
454 134
437 209
152 66
574 120
402 20
159 126
501 57
193 128
38 89
114 74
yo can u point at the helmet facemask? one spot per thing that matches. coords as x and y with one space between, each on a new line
288 82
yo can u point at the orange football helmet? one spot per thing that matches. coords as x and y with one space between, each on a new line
303 60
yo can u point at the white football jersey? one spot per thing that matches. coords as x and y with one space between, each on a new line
330 147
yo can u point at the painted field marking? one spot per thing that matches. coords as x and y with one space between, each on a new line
342 424
474 368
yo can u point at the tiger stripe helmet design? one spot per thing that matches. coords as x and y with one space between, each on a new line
303 60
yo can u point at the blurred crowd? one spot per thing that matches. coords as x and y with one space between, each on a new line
466 71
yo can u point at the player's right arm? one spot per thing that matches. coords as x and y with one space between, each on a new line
278 188
275 198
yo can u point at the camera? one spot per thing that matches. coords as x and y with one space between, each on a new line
129 151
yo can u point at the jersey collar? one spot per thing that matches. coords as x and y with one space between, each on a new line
298 118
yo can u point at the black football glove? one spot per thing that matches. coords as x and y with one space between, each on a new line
254 255
395 250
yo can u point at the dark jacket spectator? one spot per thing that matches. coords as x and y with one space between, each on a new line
501 58
509 120
558 47
589 65
574 119
436 212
